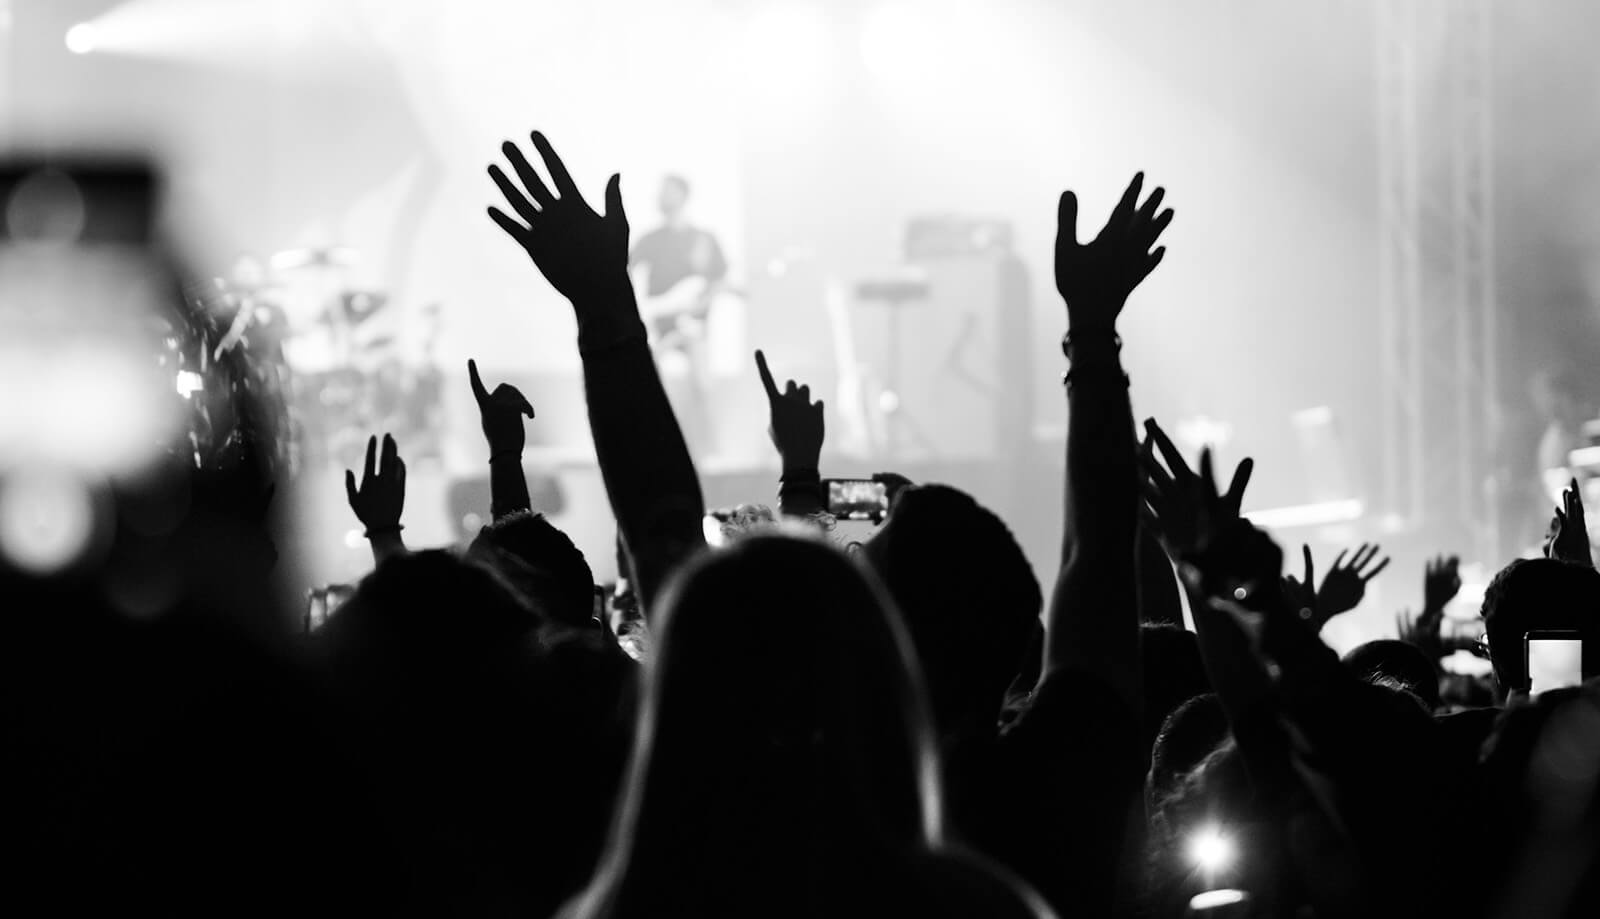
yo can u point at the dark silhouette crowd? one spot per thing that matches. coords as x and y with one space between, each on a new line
779 727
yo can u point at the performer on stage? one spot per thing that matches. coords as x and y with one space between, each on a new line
678 271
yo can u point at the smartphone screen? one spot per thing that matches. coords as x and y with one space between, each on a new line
322 602
857 499
1555 661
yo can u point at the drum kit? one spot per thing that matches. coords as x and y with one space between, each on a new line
338 351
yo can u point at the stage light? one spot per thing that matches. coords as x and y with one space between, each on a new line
81 38
1210 850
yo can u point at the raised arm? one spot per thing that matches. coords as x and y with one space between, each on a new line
1093 625
380 499
501 413
1343 587
1183 507
796 430
644 461
1569 531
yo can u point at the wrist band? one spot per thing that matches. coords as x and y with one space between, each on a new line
1070 338
505 455
383 530
1066 378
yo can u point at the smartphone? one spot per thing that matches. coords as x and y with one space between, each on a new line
857 499
1554 660
322 602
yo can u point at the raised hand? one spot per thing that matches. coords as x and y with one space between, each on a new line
583 254
796 427
1095 278
1177 506
1441 581
1345 584
501 412
1569 540
382 495
1301 592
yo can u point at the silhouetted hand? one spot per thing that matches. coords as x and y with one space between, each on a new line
894 484
1096 278
1175 508
1302 594
1569 539
1345 584
584 255
796 428
501 412
382 495
1441 581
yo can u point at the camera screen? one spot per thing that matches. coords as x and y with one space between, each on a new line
857 498
1554 663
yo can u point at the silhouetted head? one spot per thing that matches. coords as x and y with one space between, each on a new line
967 592
782 739
548 570
429 604
1173 673
1194 729
1538 594
1541 774
674 196
1400 664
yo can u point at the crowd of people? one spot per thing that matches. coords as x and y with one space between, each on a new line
915 728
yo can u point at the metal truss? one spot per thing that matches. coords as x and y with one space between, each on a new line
1437 314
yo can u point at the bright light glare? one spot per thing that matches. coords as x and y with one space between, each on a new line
1210 850
46 519
1212 899
81 38
189 383
784 47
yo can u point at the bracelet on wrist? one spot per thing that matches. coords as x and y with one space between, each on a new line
1067 379
383 530
1074 336
505 455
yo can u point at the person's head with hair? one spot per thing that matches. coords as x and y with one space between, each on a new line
1195 728
1397 663
544 566
784 755
1173 673
1536 595
674 196
968 595
499 748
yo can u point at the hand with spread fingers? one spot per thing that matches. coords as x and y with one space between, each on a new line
583 254
1569 531
1096 278
1343 586
501 412
381 498
1171 507
797 423
1441 581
